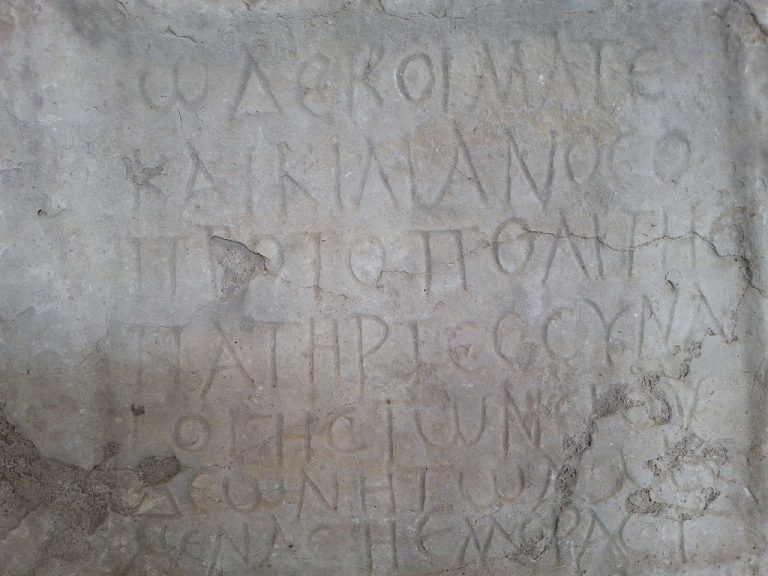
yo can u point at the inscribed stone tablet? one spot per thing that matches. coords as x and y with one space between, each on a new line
383 287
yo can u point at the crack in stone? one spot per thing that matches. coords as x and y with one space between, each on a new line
379 7
123 7
170 32
755 20
746 264
443 16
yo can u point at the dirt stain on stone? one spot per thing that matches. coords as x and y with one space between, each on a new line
78 500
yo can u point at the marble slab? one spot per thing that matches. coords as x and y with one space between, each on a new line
383 287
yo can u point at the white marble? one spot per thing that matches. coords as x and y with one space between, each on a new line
383 287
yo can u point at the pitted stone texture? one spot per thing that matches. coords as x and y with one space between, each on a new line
383 287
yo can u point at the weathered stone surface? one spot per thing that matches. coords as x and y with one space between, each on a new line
383 287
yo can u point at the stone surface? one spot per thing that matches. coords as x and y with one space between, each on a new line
383 287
